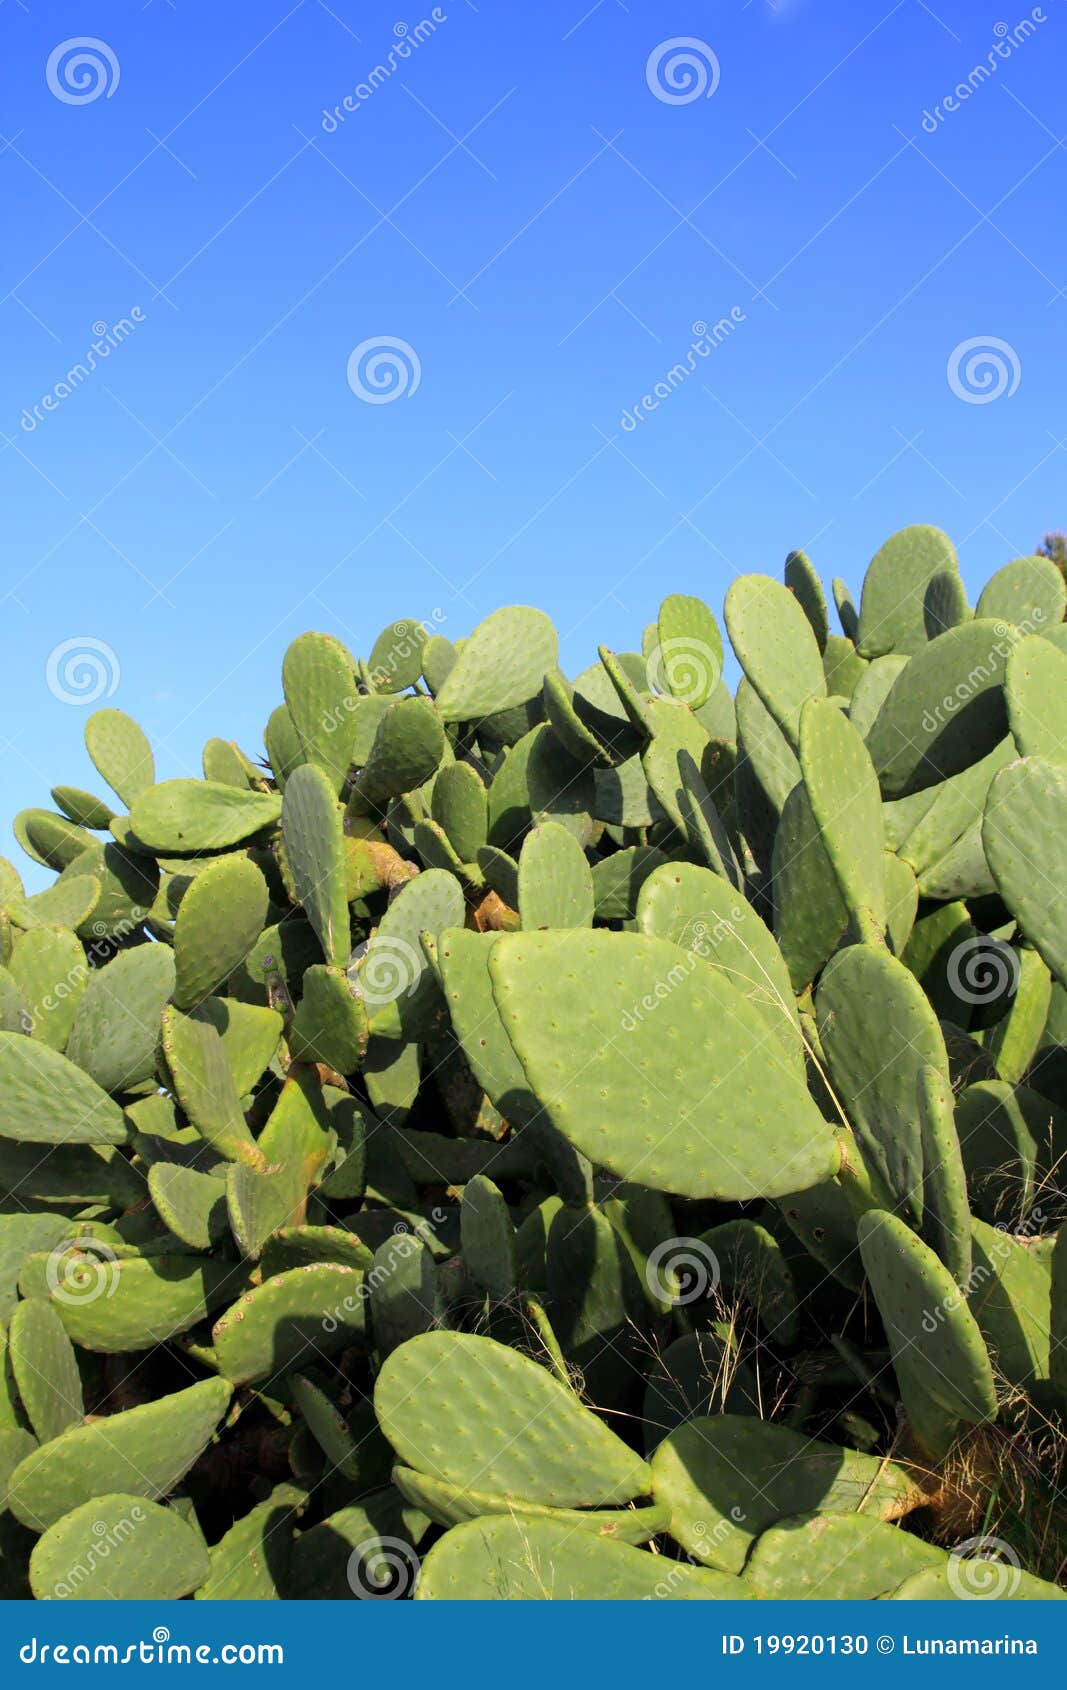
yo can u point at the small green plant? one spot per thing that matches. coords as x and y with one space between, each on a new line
541 1137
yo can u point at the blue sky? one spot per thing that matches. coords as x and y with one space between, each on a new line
510 196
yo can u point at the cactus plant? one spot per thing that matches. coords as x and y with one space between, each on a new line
553 1126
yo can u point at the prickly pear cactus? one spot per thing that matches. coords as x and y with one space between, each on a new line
524 1137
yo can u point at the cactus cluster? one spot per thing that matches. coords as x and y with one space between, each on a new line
532 1137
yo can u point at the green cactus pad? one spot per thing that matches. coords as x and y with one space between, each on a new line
488 1238
803 582
84 808
50 973
502 664
452 1505
46 1099
181 817
250 1562
69 902
1025 837
313 836
1014 1040
895 590
191 1205
701 913
873 1016
511 1427
119 1547
205 1084
632 1002
220 918
946 1212
331 1023
321 697
408 746
459 806
686 660
555 880
393 970
45 1369
110 1304
395 661
728 1478
116 1025
1009 1295
249 1035
403 1291
541 1560
1035 688
776 647
121 753
941 1361
845 801
145 1451
1029 591
538 781
809 912
358 1551
945 710
283 1323
966 1578
843 1557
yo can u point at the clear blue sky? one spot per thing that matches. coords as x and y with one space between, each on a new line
513 201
